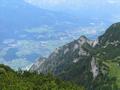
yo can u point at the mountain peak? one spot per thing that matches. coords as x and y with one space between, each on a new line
116 24
112 34
83 37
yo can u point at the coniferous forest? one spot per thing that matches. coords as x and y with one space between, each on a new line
24 80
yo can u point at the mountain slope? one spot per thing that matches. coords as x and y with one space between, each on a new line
109 43
111 35
63 59
89 63
108 59
23 80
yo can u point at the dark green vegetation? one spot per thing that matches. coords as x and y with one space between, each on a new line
24 80
107 55
109 76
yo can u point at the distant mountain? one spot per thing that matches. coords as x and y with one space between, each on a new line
90 63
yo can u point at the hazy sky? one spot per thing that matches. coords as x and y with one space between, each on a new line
108 9
76 5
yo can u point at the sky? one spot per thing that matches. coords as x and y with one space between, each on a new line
72 4
76 5
88 8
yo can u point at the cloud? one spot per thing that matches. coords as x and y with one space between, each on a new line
92 30
78 6
46 2
114 2
115 18
72 3
56 4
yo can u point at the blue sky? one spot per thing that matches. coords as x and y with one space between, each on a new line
76 5
106 9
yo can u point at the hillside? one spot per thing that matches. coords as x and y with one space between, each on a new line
94 64
108 59
23 80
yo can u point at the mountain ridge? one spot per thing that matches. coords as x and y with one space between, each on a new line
82 61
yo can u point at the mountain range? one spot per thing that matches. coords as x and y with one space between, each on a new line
93 64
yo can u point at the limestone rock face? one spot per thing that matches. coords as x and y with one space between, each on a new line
94 68
68 54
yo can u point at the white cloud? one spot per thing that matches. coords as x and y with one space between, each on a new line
56 4
114 1
80 7
115 18
72 3
46 2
